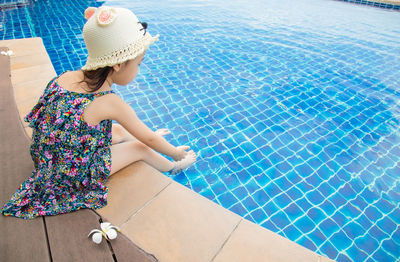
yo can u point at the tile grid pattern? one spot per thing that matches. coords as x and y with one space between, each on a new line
286 137
389 5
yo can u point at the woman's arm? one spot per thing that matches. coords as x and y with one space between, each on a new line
118 110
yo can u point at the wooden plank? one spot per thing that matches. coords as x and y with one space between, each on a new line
68 239
125 250
67 233
73 228
21 240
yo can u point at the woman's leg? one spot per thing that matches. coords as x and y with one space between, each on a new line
120 134
126 149
125 153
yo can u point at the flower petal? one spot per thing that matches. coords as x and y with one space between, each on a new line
97 237
117 228
111 233
94 230
105 225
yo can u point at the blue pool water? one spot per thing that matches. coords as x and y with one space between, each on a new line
292 106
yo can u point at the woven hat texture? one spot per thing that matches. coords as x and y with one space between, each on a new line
113 35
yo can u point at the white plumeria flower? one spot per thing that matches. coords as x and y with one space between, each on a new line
8 53
107 230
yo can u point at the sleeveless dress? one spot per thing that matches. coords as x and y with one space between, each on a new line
72 159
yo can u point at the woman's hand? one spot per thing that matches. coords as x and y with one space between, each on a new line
180 152
162 132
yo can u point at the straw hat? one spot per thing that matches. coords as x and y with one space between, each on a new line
113 35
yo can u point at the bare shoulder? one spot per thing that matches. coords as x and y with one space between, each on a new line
109 101
71 81
103 107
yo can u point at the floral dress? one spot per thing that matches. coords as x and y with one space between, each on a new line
72 159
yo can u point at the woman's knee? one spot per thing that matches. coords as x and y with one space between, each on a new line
138 146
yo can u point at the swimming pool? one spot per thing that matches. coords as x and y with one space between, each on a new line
293 108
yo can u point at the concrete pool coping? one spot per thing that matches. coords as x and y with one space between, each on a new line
158 214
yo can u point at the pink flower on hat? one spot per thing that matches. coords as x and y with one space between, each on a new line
89 12
106 16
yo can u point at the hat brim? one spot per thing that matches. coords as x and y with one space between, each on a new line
120 56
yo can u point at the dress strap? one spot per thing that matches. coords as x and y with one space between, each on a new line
103 93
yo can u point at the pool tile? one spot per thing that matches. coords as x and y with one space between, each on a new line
344 258
252 186
347 192
261 179
314 180
387 225
258 215
381 255
369 196
395 216
283 200
306 242
305 224
329 249
317 236
275 158
239 209
219 187
293 211
208 193
280 219
354 230
373 213
292 232
355 251
392 247
304 170
226 199
316 215
249 203
368 245
342 238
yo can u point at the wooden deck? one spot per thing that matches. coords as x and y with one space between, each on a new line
50 238
159 215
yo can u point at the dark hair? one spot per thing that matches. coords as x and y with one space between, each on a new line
96 78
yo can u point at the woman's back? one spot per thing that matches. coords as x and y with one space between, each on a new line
72 158
72 81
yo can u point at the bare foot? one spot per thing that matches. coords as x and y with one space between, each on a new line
189 159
